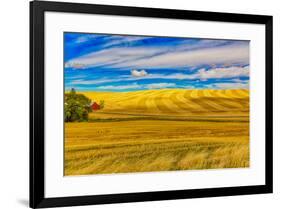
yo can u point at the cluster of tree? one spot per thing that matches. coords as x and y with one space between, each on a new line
76 107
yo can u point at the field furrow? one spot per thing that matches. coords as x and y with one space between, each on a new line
175 102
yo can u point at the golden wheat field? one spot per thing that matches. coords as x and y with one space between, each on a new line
160 130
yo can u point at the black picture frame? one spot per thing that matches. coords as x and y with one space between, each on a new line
37 196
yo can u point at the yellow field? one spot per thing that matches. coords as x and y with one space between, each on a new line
175 102
160 130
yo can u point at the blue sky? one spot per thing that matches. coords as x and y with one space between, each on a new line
99 62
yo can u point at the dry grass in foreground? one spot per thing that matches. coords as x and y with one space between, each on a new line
154 145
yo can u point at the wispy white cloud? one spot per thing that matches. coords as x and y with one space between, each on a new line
75 65
120 87
230 85
228 72
138 73
127 40
84 38
203 74
90 37
94 81
137 86
114 56
234 73
220 55
167 56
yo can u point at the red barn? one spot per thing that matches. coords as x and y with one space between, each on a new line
95 106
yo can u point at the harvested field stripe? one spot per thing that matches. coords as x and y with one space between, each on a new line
141 102
231 104
164 103
204 103
182 103
129 96
224 98
221 93
238 93
245 92
194 94
196 107
151 103
208 93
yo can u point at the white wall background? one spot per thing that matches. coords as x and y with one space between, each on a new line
14 103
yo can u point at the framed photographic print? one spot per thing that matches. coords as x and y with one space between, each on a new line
133 104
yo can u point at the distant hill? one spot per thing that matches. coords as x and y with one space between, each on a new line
175 102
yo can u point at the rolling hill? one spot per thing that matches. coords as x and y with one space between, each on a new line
173 102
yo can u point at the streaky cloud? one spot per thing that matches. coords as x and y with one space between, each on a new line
203 52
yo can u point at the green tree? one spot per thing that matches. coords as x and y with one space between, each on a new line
76 107
101 104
